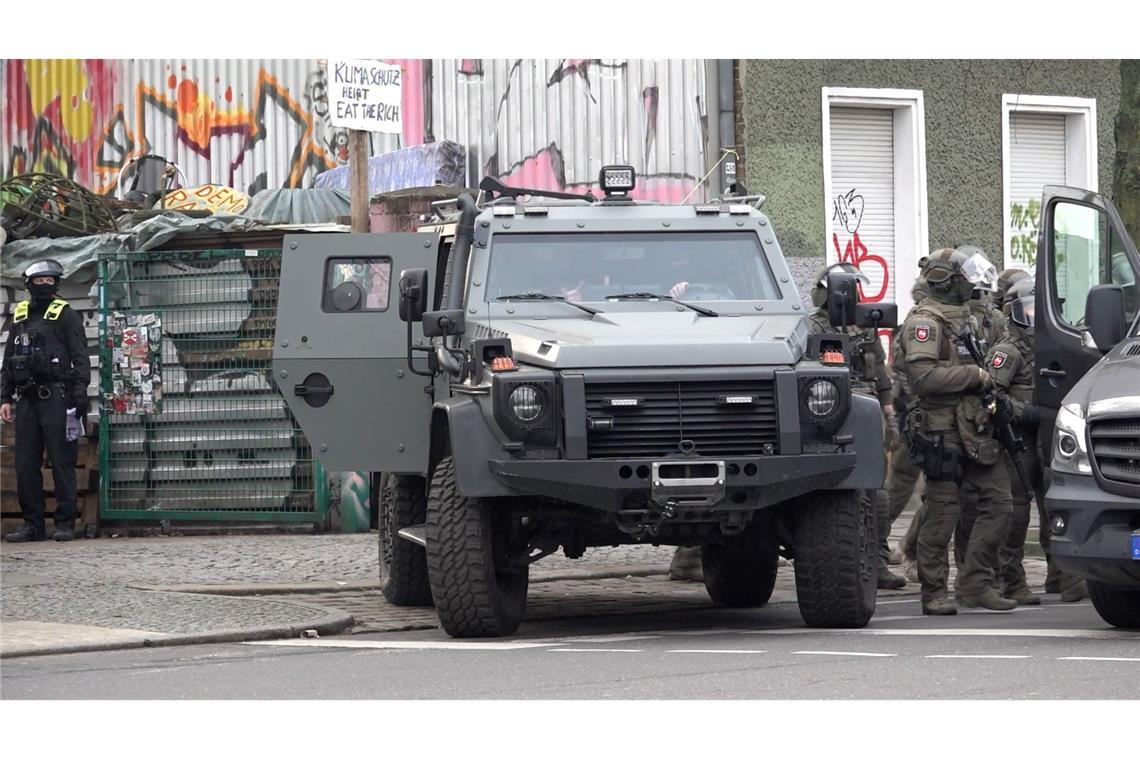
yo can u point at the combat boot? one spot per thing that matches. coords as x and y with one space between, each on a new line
989 599
1075 593
896 557
940 606
888 580
26 532
686 564
64 531
1022 596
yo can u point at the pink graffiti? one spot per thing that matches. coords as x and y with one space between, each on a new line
856 253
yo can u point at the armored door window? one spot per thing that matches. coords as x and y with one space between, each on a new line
357 284
1086 252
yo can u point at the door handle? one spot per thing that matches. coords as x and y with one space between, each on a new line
1046 372
312 390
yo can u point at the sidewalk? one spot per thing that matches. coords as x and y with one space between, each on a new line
129 592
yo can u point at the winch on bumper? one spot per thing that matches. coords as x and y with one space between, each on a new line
742 483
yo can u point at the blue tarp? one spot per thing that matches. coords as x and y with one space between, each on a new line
418 166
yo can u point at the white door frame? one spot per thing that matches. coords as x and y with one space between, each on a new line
1081 157
911 230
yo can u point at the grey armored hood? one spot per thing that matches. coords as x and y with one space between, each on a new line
656 338
1112 386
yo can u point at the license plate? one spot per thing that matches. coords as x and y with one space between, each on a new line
1136 546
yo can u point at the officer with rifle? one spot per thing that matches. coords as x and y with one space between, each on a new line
951 435
43 387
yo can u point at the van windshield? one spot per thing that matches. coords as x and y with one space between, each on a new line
695 266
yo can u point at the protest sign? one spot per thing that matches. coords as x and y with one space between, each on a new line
365 95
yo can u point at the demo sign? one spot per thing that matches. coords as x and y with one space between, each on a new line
365 95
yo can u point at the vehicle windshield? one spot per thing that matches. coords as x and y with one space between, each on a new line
694 266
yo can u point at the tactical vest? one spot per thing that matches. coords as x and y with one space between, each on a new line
40 349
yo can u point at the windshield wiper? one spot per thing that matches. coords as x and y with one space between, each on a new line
656 297
547 297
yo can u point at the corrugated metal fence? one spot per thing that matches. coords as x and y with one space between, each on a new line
257 123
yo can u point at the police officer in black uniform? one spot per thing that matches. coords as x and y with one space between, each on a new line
46 371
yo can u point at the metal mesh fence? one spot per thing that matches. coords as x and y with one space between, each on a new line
193 426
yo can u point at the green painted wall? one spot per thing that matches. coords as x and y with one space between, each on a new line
1126 181
782 107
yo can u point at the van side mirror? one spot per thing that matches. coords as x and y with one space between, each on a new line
842 298
1104 315
413 294
876 315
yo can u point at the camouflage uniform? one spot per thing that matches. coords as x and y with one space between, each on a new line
992 326
947 384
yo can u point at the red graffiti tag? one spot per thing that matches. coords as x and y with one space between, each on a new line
856 253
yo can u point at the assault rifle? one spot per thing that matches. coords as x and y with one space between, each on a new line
1001 412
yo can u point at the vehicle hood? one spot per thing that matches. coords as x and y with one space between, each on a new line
653 339
1112 387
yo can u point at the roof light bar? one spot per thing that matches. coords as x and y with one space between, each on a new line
617 179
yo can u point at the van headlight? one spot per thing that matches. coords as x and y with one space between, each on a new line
1070 447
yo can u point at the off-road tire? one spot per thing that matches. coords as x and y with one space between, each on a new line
742 572
1118 606
403 564
835 547
472 598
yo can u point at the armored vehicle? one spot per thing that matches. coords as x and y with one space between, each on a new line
569 372
1087 347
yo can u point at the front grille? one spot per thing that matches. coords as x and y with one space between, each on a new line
1116 449
671 412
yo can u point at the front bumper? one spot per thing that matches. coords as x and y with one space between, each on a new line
610 484
1097 543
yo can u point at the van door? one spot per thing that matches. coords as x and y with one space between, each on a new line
1082 243
340 356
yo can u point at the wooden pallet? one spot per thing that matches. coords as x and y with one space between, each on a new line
86 482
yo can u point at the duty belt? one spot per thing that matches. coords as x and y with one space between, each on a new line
42 391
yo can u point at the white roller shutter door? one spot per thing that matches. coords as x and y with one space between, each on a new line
1036 159
863 194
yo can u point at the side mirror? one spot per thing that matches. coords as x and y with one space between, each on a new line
1104 315
842 297
444 322
876 315
413 294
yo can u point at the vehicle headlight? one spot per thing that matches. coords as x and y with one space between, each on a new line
1070 451
821 398
526 403
528 409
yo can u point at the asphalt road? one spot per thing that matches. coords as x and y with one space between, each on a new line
1054 651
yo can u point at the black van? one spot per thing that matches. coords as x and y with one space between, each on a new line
1088 361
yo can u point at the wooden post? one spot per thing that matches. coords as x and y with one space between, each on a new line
358 148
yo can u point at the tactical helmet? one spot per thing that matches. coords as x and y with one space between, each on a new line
1020 302
943 264
43 268
1005 280
819 290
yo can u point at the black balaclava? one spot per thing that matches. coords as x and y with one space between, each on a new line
43 293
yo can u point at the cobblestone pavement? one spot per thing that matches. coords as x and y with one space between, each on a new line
262 558
111 605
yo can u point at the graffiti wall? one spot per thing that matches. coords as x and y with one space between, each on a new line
253 124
